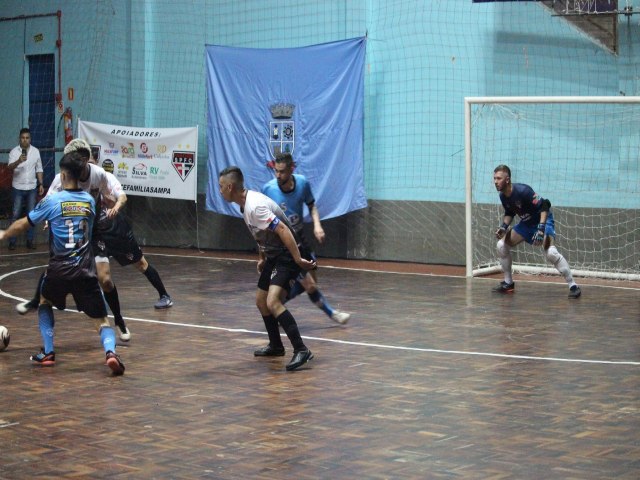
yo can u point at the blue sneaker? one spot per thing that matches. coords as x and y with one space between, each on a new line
44 359
164 302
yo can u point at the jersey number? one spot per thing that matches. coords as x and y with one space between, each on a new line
82 227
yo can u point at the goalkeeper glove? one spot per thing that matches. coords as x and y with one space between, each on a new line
500 232
539 235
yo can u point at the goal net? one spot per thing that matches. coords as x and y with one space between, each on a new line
582 154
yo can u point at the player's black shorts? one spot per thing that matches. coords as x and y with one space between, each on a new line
85 291
281 270
308 254
117 242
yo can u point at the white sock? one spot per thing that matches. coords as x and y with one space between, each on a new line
555 258
504 256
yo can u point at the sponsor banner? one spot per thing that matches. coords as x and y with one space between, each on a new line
152 162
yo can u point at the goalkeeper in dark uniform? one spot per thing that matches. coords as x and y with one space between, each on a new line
70 214
536 227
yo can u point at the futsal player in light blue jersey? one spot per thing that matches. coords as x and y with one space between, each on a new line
536 227
70 214
292 192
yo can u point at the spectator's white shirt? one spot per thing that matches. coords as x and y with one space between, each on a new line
24 175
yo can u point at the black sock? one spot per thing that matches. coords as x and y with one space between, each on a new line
154 277
114 304
291 329
273 331
36 296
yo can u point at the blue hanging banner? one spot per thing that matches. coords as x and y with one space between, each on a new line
308 101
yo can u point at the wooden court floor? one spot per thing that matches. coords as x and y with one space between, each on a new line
434 377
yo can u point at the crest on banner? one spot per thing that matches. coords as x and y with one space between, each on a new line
282 128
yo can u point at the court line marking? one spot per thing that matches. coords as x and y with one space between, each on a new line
333 267
346 342
353 269
390 347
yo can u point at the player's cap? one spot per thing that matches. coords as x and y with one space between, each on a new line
76 144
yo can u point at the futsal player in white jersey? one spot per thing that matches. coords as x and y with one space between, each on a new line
113 237
279 264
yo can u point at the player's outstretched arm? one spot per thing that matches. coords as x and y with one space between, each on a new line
19 226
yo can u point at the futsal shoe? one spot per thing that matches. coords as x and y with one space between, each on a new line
505 287
124 333
30 245
114 363
299 359
164 302
269 351
340 317
575 292
25 307
44 359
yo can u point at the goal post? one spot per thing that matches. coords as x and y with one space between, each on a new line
581 153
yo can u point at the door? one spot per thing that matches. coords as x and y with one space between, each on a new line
42 111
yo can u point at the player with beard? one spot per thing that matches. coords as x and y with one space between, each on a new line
292 192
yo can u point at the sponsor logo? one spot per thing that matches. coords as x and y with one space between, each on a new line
281 129
128 151
123 170
161 149
158 173
144 148
139 171
112 145
107 164
76 209
95 152
183 163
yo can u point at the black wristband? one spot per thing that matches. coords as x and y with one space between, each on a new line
505 226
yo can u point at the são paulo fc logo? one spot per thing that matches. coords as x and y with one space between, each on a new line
183 162
281 128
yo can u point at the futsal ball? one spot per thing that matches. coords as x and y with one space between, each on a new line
4 338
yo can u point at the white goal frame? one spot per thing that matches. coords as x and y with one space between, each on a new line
468 102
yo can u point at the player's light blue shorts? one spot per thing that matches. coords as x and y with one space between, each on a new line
528 231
